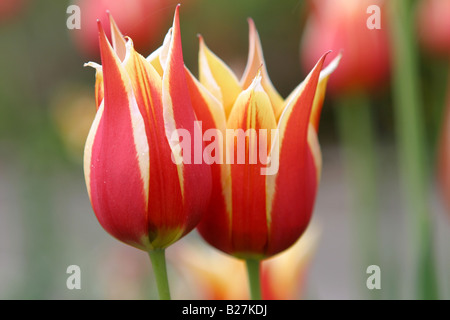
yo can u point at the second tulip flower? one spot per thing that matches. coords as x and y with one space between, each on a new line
252 215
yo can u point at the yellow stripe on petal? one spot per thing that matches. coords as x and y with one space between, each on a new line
146 82
99 90
88 149
256 62
314 146
154 60
218 78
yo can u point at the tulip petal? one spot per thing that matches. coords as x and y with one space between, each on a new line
165 199
117 157
154 60
291 192
195 179
251 112
320 92
217 77
254 63
99 92
215 225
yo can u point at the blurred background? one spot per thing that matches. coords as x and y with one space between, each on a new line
47 104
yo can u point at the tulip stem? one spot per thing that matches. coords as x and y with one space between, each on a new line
253 270
358 140
412 152
158 258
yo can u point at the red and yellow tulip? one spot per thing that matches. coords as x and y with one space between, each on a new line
138 193
255 215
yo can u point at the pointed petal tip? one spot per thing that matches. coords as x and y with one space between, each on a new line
322 58
331 67
110 18
176 21
101 31
201 40
177 13
256 83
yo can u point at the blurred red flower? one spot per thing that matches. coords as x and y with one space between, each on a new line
10 9
342 26
433 19
142 20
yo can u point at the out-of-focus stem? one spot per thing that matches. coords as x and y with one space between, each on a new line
357 136
412 151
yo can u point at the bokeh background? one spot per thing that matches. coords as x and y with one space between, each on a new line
46 108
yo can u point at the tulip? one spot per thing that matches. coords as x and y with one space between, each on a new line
261 215
342 26
251 215
433 21
139 195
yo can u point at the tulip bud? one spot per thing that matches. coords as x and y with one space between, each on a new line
342 26
139 195
254 214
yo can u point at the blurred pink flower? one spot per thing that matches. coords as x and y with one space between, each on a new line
342 26
433 19
145 21
9 9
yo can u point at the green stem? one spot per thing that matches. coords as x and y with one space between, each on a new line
253 269
158 258
440 77
412 151
358 140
